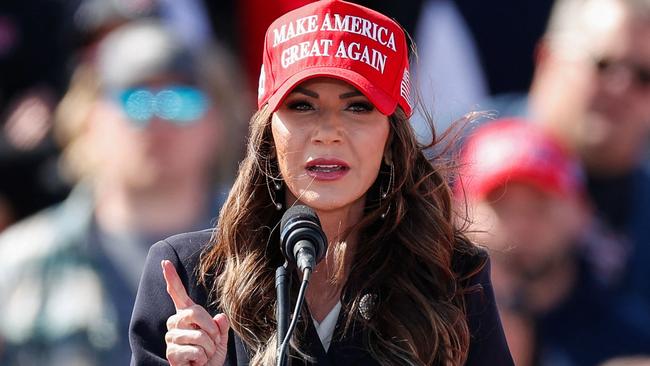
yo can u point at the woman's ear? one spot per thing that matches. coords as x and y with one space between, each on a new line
388 152
388 156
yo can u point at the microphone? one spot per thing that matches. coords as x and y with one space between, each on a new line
303 242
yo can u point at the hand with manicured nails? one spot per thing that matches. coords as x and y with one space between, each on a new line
193 337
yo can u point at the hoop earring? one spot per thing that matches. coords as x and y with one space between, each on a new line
277 186
384 194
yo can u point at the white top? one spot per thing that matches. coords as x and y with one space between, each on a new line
325 329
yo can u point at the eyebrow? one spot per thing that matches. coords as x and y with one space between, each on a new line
351 94
313 94
307 92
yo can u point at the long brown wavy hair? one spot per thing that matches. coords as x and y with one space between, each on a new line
417 316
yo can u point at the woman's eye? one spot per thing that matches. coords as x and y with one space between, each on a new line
360 107
300 105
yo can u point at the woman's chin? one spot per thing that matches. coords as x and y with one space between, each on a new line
327 201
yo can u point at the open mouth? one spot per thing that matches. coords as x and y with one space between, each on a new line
327 169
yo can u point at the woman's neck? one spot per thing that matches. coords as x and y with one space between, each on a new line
327 280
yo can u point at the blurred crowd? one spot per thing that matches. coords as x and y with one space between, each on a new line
123 122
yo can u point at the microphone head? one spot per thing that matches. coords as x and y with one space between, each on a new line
298 212
298 223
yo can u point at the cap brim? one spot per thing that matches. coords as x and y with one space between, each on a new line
545 183
381 100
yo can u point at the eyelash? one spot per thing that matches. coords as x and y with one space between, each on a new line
355 107
300 105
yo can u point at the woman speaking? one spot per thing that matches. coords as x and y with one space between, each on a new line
400 284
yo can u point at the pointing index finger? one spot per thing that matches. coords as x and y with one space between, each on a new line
175 287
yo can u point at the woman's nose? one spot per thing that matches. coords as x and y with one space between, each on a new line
329 129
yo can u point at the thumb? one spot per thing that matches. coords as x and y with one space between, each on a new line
221 321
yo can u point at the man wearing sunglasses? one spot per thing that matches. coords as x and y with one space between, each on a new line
151 134
592 82
592 89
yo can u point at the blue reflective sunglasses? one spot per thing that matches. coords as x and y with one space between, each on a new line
180 105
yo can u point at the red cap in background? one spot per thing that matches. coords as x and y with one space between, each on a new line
515 150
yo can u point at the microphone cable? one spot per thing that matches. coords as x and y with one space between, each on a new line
282 350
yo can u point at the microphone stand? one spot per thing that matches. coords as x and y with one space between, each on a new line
282 282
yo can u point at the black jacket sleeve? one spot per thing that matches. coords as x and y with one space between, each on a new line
153 305
488 344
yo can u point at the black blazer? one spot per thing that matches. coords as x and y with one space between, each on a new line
153 306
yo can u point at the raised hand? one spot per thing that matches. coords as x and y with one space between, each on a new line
193 337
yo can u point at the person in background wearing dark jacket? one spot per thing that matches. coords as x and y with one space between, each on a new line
592 90
146 136
400 283
525 194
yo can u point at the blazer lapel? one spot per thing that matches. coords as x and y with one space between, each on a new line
314 346
346 351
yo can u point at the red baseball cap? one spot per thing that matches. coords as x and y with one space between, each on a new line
338 39
515 150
